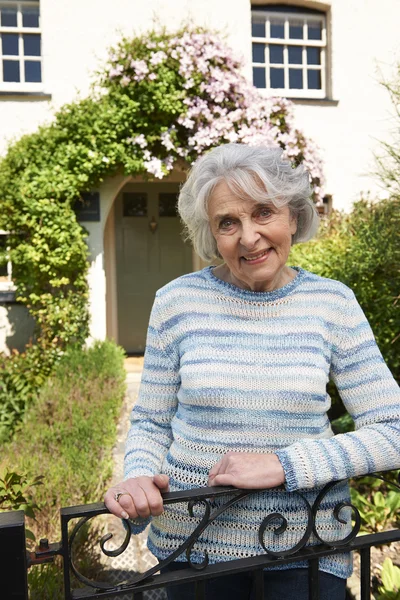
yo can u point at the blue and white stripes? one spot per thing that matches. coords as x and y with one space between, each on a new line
228 369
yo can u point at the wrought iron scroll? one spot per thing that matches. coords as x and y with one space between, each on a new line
282 528
203 497
200 498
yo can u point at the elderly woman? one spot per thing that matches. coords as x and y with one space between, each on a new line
234 383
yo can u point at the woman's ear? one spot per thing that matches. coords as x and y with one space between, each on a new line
293 224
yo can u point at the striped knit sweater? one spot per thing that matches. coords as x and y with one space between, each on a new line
228 369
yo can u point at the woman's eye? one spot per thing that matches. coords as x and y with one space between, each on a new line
264 212
226 223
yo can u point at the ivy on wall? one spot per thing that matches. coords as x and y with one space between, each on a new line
160 99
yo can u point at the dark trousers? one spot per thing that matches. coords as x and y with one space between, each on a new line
288 584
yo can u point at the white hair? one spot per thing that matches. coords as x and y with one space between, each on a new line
256 172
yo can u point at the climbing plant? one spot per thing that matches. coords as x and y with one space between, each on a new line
161 99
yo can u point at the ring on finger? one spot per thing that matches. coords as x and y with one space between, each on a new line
118 495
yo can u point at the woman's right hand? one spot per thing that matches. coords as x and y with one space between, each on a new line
138 497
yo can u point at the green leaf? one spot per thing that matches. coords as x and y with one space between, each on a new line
30 535
390 575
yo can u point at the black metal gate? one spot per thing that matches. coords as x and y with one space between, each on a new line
15 560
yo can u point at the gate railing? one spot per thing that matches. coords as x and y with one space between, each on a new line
15 559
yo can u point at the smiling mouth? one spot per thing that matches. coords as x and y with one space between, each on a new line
256 256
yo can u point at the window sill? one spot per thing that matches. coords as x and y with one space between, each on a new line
314 101
300 98
7 297
26 95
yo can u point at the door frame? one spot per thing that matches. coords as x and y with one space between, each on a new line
110 258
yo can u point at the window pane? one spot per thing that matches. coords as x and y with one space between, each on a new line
87 207
313 56
31 45
33 71
296 79
134 205
30 17
167 205
296 30
277 77
277 28
314 79
259 53
8 17
295 55
315 30
276 54
258 27
11 70
10 44
259 77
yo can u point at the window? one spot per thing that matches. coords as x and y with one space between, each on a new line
20 46
5 264
289 51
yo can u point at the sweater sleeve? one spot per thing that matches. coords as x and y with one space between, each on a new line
372 398
150 435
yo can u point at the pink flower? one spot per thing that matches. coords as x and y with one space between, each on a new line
154 166
141 69
157 58
139 140
166 140
219 104
115 71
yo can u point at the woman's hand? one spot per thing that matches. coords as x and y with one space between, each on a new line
138 497
248 470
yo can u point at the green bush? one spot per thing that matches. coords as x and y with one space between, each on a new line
16 494
377 510
22 376
67 435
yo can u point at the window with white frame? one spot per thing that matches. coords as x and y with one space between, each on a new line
6 282
20 45
289 51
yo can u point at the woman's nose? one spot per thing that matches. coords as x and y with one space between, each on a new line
249 235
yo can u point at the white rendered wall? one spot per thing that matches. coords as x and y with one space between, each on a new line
363 53
97 275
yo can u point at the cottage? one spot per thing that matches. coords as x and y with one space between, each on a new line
327 57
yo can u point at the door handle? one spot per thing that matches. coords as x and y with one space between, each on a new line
153 225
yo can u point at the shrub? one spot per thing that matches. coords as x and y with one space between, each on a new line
16 494
66 439
22 376
68 434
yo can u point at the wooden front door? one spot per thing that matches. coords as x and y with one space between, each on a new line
149 253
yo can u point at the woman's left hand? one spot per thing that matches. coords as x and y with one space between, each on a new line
248 470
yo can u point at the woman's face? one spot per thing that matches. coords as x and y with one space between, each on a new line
253 239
